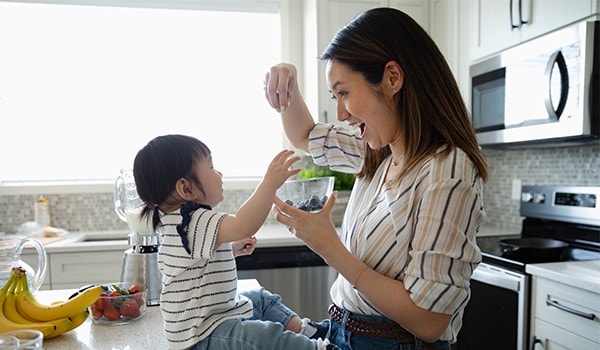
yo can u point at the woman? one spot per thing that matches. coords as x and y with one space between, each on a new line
407 246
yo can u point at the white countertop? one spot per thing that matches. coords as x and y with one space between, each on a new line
579 274
144 334
272 235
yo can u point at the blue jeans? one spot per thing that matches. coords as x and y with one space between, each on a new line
265 330
346 340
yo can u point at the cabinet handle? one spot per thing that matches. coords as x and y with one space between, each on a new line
520 20
512 24
534 342
556 304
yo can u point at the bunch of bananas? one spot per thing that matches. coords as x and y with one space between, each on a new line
20 310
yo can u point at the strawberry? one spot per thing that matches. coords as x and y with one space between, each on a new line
139 299
135 288
97 313
130 309
110 313
99 304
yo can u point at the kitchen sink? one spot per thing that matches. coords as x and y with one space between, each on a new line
104 237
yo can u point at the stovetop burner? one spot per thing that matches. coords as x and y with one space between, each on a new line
492 254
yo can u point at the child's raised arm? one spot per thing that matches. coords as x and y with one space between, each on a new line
253 213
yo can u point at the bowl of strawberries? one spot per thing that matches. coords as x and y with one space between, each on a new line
119 304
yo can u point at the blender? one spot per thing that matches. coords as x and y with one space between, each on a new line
140 262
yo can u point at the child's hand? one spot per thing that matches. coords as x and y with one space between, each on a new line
279 169
244 247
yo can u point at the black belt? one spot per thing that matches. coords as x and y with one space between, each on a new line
370 328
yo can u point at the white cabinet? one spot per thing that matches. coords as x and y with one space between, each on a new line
73 270
450 30
77 269
561 316
496 25
322 19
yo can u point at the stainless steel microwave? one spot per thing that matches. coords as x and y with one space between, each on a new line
545 91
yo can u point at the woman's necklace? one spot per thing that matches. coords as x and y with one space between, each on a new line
394 162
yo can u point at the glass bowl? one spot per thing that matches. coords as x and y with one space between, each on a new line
119 304
307 194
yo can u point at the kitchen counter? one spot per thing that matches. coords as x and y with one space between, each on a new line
272 235
579 274
144 334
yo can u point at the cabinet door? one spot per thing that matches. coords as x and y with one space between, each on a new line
491 27
548 15
551 337
73 270
493 21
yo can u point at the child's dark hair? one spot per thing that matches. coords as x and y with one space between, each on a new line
158 166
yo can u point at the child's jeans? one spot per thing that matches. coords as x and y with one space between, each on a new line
265 330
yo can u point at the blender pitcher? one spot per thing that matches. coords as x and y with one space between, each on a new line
140 262
11 247
129 205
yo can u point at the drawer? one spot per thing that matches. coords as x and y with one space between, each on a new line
553 337
581 300
77 269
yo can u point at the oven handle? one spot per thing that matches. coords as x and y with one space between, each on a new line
556 304
498 277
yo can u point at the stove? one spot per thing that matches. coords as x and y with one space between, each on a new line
564 224
569 214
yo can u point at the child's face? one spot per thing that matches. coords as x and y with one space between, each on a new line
211 180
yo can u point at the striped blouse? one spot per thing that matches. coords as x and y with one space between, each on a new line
421 232
199 290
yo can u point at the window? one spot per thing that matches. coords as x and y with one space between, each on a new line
83 88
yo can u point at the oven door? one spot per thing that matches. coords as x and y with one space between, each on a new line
497 315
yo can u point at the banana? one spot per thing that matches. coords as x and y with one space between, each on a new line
48 329
78 319
30 308
9 307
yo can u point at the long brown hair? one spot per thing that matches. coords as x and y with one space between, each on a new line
431 109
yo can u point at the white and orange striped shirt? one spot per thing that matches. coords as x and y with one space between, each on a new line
421 232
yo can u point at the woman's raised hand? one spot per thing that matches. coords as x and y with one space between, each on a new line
280 83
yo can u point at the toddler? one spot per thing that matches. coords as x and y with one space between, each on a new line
200 305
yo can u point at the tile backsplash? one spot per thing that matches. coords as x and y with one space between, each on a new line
578 165
566 166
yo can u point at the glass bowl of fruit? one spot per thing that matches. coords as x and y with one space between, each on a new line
119 304
307 194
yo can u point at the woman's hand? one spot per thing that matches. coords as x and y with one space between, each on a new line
315 229
280 83
244 247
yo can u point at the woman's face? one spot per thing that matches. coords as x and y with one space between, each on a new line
362 107
211 182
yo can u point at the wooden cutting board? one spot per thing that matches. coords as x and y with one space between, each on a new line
45 240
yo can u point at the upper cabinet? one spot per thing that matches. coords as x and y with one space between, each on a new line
500 24
322 19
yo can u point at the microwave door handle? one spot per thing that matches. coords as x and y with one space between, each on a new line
557 59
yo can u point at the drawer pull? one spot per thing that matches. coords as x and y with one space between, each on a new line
556 304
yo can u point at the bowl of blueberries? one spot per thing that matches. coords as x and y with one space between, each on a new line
307 194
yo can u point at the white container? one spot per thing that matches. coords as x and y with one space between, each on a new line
42 212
